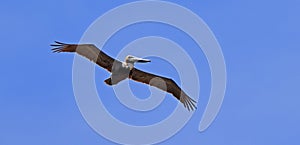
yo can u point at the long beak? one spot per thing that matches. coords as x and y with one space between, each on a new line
142 60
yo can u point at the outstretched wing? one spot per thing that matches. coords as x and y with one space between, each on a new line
88 51
165 84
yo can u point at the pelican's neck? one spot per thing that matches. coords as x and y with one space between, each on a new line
129 65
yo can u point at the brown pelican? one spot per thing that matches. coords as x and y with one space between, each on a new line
122 70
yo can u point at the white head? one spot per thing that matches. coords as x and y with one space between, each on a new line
130 60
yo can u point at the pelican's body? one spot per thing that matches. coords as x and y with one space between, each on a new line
121 72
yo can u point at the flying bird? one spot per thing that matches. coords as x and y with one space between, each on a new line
123 70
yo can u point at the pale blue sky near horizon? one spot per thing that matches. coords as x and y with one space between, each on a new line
260 43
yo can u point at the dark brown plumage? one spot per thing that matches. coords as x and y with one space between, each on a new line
94 54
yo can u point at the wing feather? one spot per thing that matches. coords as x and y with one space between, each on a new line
171 87
88 51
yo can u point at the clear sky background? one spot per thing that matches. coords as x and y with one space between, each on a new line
260 42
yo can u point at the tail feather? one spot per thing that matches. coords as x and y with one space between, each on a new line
115 79
108 81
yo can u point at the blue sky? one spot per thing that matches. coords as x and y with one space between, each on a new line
260 43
